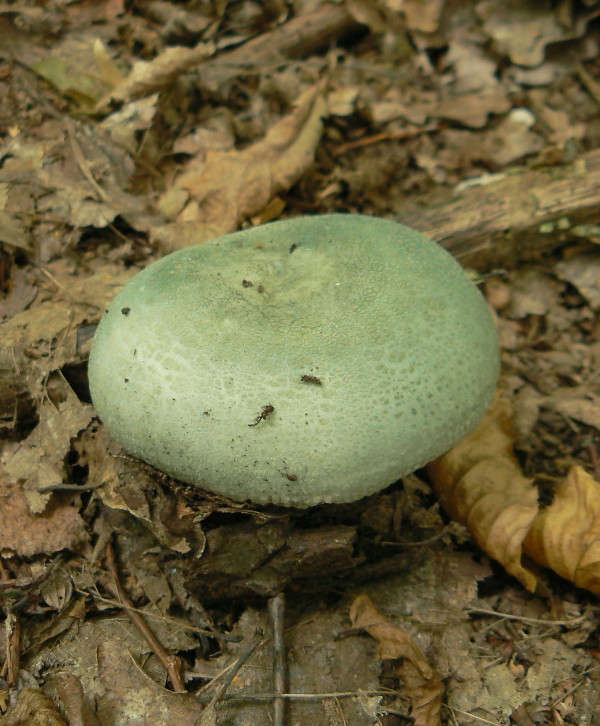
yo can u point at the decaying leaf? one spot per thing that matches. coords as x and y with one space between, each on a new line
26 534
146 77
577 402
522 30
124 484
420 679
223 188
38 463
33 708
583 272
134 697
566 535
480 484
421 16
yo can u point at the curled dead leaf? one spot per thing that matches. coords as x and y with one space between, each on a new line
422 683
480 484
566 535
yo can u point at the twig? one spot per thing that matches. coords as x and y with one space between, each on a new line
588 81
498 222
172 664
242 658
364 141
472 715
307 697
173 621
276 613
12 628
71 487
562 697
83 164
419 543
522 618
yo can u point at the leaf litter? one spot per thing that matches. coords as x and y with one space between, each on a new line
115 131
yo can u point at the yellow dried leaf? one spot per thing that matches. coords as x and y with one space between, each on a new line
566 535
422 683
480 484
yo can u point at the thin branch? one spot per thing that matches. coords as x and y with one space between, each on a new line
276 613
173 621
523 619
171 663
308 697
220 694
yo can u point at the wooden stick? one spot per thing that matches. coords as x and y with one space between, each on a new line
171 663
276 613
515 216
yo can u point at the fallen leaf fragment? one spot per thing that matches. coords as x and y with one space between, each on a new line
422 16
39 462
130 696
420 680
33 708
26 534
146 77
222 188
480 484
577 403
70 691
566 535
125 484
522 30
583 272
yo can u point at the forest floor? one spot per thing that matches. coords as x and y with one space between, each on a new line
133 128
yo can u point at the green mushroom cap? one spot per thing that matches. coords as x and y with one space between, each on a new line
310 360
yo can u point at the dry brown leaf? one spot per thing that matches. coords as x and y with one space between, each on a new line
583 272
38 463
72 698
480 484
578 403
566 535
126 484
422 16
512 138
45 338
146 77
522 30
367 13
225 187
59 527
420 679
473 109
130 696
33 708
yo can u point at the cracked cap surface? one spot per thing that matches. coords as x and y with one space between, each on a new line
310 360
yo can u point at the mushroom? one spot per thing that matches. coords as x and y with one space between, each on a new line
309 360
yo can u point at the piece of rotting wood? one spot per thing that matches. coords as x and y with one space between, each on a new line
299 37
514 216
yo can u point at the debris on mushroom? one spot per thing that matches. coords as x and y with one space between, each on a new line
309 378
406 339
